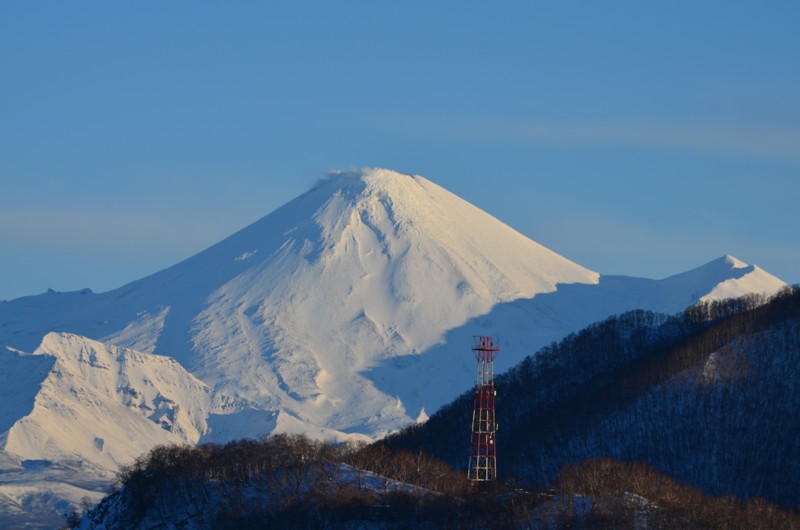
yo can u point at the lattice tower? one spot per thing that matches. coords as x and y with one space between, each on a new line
483 440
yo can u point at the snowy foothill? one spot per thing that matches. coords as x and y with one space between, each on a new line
345 314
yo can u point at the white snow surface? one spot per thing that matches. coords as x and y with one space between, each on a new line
77 409
102 404
346 313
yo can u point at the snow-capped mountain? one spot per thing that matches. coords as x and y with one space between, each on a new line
291 312
348 312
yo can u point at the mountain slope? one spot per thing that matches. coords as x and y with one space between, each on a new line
77 409
101 404
397 260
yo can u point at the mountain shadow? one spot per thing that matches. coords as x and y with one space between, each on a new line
525 325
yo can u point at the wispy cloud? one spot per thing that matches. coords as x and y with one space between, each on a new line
781 143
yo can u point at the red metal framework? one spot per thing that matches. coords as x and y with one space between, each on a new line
483 446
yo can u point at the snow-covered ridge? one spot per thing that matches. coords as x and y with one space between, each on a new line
102 404
743 278
75 410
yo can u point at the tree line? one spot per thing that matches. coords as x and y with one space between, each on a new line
289 481
636 495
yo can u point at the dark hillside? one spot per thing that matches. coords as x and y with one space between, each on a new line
293 482
710 397
635 495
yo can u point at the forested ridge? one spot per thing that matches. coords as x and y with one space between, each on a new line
290 481
710 396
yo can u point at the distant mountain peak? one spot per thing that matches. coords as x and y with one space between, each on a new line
715 267
732 261
731 277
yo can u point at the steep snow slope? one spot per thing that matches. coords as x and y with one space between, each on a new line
77 409
102 404
382 266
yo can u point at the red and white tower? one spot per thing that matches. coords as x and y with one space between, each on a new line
483 444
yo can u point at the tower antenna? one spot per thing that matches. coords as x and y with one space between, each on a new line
483 444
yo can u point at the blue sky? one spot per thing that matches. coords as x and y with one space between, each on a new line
638 138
